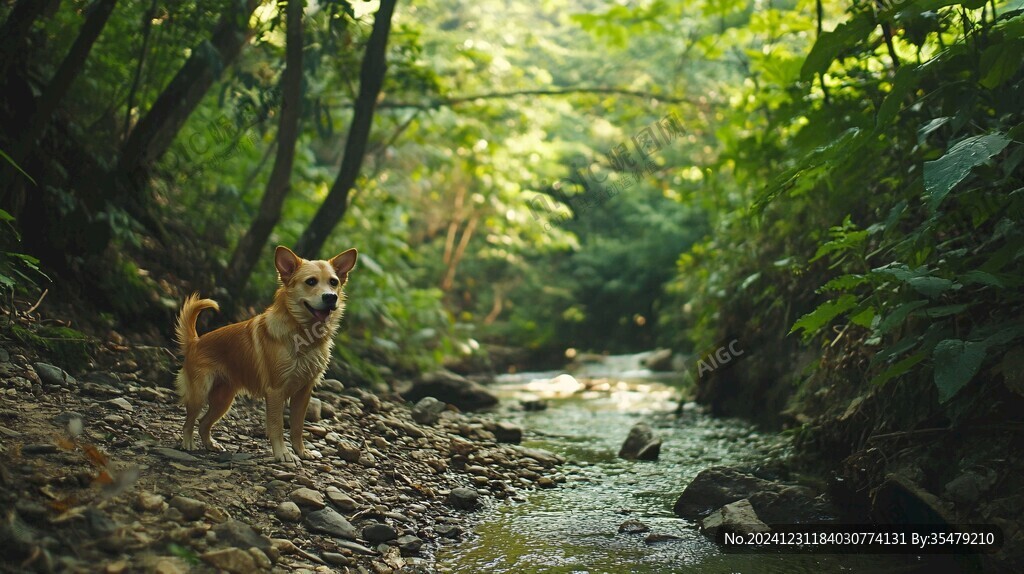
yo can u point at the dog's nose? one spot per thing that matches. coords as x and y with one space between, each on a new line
330 298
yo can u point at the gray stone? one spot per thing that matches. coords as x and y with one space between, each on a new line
640 444
53 376
659 360
307 498
378 532
336 559
314 410
447 530
428 410
738 518
234 560
173 454
190 508
121 403
288 511
354 547
348 452
341 500
409 544
327 520
464 499
453 389
506 432
240 534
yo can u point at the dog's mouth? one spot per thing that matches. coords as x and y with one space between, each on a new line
318 314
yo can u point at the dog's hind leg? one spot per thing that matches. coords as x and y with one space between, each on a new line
221 396
297 414
193 395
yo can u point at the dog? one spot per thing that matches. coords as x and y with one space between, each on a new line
277 355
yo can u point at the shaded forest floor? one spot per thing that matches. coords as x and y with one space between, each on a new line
94 481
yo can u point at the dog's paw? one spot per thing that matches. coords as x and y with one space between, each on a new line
305 455
287 457
214 446
188 444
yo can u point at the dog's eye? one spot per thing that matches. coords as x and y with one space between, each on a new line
311 281
334 282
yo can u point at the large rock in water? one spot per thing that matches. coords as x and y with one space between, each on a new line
641 444
738 518
774 502
659 360
453 389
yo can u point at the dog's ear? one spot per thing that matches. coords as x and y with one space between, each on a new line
344 262
287 262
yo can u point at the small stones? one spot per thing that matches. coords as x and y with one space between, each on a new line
463 499
506 432
190 508
633 526
307 498
288 511
428 410
336 559
447 530
378 532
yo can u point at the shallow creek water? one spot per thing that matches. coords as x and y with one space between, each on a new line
574 528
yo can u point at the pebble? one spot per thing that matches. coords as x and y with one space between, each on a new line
53 376
464 498
190 508
378 532
633 526
121 403
329 521
447 530
233 560
314 410
348 452
409 544
307 498
337 559
341 500
150 502
288 511
428 410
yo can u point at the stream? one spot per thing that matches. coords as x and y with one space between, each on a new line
574 528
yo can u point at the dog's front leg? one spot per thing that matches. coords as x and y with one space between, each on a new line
275 427
297 414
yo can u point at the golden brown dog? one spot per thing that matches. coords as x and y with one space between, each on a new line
279 354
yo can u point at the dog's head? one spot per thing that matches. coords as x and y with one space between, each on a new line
313 288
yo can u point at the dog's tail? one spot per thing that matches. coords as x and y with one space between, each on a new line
186 328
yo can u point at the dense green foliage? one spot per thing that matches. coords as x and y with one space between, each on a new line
558 175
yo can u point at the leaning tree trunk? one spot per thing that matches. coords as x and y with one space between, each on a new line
249 247
69 69
371 78
156 131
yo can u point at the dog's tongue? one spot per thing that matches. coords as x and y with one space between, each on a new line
321 314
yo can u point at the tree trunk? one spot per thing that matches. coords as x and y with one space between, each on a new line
69 69
156 131
17 27
371 78
249 247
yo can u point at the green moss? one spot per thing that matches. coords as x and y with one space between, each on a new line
65 346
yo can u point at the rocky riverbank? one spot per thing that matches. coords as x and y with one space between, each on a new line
93 480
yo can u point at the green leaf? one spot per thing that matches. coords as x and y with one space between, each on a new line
942 175
956 363
4 216
897 316
11 161
902 83
945 310
824 314
843 283
830 44
864 318
982 278
999 62
898 369
930 286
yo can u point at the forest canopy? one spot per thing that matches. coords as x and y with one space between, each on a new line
827 176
